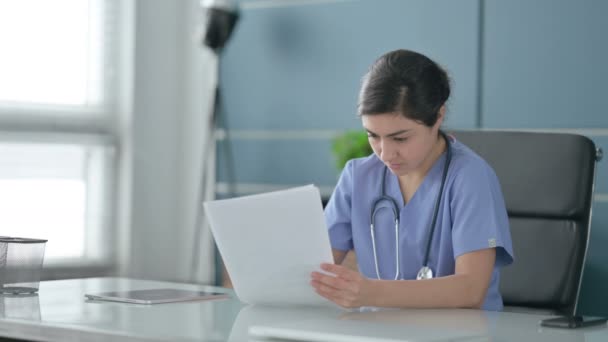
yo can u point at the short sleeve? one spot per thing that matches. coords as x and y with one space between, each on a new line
338 211
479 214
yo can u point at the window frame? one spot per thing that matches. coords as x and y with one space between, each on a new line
97 124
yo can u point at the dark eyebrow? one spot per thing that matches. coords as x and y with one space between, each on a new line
389 135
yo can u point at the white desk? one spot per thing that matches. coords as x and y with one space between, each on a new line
61 313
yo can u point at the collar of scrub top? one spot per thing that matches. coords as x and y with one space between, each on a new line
425 271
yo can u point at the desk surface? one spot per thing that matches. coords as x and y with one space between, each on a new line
60 313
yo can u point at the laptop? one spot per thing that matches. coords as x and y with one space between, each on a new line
270 243
155 296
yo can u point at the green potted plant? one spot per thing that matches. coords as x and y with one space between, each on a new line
349 145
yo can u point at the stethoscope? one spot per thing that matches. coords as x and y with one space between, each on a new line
425 271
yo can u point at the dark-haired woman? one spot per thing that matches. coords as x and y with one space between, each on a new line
424 214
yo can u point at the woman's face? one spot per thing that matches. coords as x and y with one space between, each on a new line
401 143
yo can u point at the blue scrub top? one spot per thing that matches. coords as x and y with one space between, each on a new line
472 216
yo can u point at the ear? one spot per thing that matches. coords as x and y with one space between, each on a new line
440 117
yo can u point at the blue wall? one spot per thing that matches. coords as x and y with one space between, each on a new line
291 74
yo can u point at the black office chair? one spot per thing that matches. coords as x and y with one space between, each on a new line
547 180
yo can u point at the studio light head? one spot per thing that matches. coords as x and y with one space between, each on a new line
222 16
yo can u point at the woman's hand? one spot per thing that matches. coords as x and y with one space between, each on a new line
344 287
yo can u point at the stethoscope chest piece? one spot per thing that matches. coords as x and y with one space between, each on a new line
425 273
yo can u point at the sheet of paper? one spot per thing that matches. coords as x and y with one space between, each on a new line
271 242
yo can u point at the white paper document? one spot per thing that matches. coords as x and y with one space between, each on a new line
270 243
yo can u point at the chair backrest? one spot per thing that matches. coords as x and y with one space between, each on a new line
547 180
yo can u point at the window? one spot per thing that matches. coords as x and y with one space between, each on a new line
57 119
52 52
56 191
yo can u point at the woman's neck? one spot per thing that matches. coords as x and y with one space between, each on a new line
415 177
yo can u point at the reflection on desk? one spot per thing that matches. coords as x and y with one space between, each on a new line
61 313
267 315
25 306
383 325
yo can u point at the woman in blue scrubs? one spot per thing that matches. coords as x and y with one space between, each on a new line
422 199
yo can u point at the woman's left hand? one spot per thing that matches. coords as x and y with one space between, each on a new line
344 286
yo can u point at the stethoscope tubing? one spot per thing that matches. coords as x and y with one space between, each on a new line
448 159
